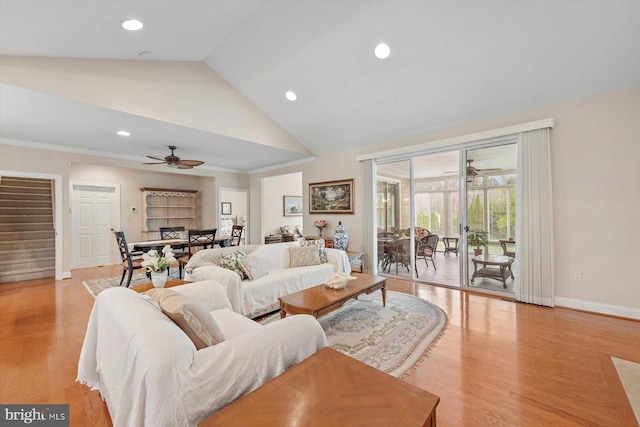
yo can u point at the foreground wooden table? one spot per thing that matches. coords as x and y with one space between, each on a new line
320 300
331 389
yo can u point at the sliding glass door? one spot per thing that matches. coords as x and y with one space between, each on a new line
435 211
490 220
393 218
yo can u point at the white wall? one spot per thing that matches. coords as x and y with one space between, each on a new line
238 200
595 156
274 189
131 176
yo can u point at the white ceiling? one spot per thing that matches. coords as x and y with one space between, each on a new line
451 63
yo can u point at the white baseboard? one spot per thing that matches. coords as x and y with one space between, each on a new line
596 307
65 275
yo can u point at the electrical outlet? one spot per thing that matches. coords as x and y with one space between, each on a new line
577 276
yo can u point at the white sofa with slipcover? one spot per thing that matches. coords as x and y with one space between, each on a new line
253 298
150 373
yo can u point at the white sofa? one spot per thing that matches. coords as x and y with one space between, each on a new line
150 374
253 298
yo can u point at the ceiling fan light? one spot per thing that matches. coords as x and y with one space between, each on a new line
172 165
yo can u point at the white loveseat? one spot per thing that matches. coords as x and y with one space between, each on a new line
150 374
253 298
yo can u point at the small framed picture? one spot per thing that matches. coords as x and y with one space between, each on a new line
292 205
226 208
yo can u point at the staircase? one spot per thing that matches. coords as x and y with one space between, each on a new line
27 236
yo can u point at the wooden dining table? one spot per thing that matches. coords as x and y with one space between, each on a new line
147 245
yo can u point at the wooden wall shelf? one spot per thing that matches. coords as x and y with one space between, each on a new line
166 207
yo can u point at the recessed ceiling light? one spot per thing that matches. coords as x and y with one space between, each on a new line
291 96
123 133
132 25
382 51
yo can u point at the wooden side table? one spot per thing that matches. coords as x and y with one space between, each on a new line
272 238
328 241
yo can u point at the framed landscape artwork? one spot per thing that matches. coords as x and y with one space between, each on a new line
331 197
292 205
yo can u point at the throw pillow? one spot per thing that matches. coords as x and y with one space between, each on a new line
191 317
319 243
253 267
287 229
303 256
230 260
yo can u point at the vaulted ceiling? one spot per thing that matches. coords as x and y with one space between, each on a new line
210 76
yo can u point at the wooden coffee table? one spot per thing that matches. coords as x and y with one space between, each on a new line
146 286
320 300
331 389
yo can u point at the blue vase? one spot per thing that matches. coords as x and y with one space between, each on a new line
340 237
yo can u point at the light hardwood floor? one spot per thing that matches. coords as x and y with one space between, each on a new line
498 363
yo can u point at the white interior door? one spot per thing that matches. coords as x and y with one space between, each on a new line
94 214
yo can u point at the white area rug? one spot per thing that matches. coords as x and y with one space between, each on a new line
392 339
629 373
98 285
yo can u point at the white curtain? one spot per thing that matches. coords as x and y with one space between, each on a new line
534 229
368 215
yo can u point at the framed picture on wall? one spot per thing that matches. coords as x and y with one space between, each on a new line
226 208
292 205
331 197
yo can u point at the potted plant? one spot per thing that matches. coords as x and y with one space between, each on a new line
478 239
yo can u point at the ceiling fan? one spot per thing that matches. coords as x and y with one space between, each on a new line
174 161
473 171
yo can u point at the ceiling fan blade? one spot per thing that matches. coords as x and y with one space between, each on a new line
154 163
181 166
450 172
190 162
489 170
156 158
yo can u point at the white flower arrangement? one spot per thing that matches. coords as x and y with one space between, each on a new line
156 262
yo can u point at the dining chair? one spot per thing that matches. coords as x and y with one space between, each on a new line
130 261
171 232
197 240
167 233
236 235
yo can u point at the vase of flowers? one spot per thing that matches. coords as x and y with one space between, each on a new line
158 265
320 224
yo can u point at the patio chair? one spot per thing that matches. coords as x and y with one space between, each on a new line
426 249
